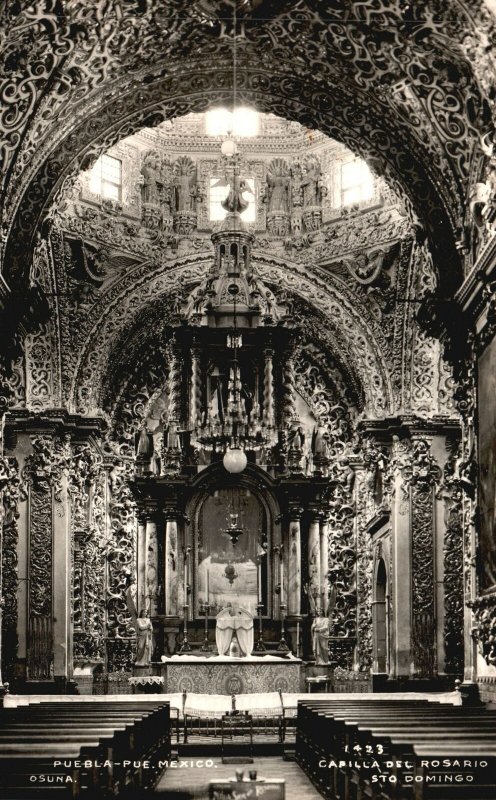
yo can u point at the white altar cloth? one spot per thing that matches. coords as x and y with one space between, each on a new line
184 659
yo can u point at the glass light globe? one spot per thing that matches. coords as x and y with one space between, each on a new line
229 148
234 460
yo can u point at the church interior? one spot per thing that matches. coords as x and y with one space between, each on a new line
248 398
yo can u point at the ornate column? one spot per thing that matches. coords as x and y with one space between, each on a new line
420 478
151 565
314 562
294 563
141 551
401 558
268 388
294 577
171 451
453 563
288 388
342 567
9 578
88 506
324 563
121 558
48 611
195 394
171 567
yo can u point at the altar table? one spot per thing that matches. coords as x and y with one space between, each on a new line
227 675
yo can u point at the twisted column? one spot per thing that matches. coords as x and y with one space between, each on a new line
175 383
288 386
195 397
268 388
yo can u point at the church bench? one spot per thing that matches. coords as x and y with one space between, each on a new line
329 733
265 708
209 708
107 738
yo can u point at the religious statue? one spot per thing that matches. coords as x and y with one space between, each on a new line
151 178
296 437
296 174
184 184
278 187
144 642
235 200
320 639
312 184
320 441
144 443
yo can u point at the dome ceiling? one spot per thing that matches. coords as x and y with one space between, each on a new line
392 80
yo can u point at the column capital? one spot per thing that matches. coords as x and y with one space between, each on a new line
295 512
316 513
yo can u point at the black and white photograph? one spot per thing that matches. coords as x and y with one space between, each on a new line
248 399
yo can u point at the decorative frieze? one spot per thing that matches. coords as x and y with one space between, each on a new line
10 495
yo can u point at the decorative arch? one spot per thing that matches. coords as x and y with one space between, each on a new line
402 92
115 315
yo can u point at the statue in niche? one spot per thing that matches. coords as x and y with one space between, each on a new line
151 178
312 184
144 443
144 641
320 441
296 437
184 184
278 183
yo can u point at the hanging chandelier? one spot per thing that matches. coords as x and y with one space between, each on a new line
240 426
234 530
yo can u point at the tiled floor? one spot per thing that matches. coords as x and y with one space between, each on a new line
192 781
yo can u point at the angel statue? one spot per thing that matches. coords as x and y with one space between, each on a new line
237 187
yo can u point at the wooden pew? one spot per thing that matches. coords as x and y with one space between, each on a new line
115 739
334 732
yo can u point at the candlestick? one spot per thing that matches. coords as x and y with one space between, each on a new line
185 647
281 574
205 646
282 647
259 645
